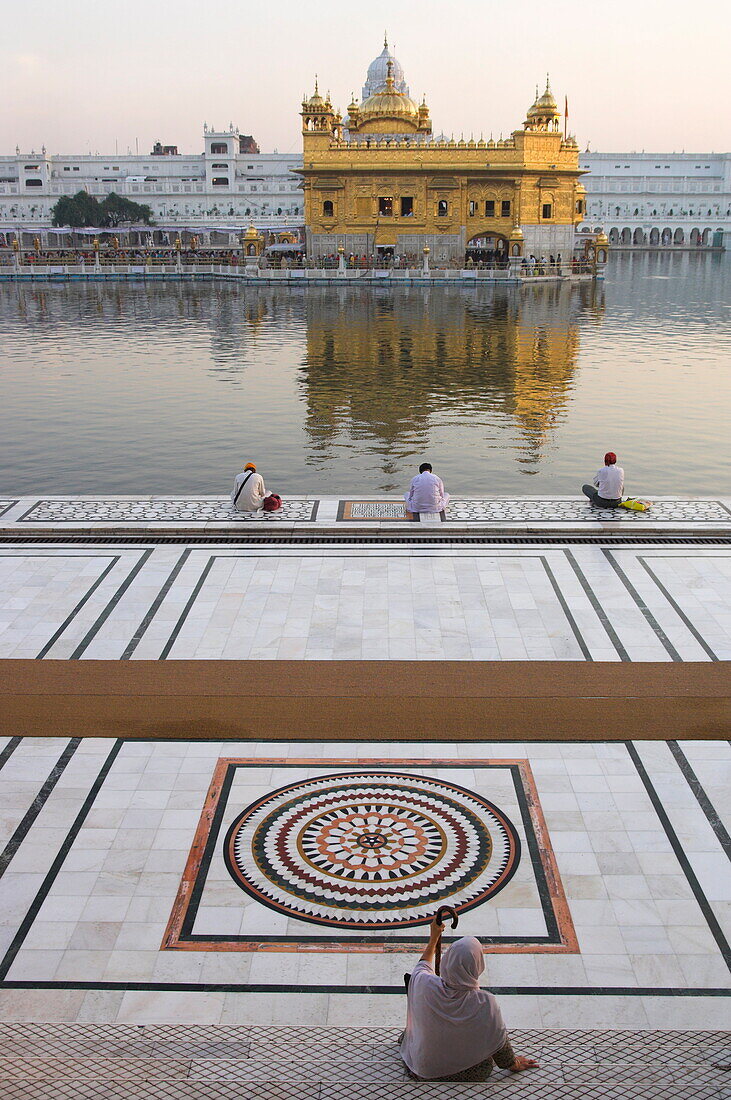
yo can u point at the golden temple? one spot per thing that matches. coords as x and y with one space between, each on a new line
378 182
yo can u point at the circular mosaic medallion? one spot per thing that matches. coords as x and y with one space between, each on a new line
371 849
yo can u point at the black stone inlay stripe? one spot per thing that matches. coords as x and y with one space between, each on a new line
9 750
649 617
63 851
677 609
141 629
700 897
186 610
566 610
703 800
598 609
397 990
8 506
54 637
37 805
91 634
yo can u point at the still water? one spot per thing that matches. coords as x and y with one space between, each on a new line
127 388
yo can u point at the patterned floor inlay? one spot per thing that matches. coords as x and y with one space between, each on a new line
570 511
162 510
178 1062
370 850
341 856
373 509
6 505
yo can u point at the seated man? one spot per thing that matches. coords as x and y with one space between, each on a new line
606 492
427 492
249 490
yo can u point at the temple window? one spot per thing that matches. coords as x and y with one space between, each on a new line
327 209
220 181
219 147
547 210
473 208
407 206
579 206
442 208
490 208
505 208
385 206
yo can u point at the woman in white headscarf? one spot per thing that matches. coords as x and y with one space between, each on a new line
451 1024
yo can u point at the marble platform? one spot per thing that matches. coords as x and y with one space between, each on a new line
121 903
196 512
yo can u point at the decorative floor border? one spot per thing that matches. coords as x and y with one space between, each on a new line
561 936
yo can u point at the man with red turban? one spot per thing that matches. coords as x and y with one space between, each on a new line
608 486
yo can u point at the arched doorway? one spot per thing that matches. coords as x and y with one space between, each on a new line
679 237
487 248
706 237
654 237
638 236
626 237
667 237
614 236
695 236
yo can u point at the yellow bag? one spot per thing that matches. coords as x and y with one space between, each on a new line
635 504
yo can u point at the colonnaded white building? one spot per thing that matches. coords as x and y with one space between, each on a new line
641 200
659 199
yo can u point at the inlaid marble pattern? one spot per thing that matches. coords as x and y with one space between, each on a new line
370 850
487 511
91 889
546 510
162 510
372 509
367 852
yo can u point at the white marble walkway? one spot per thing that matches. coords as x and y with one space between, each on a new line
119 904
599 603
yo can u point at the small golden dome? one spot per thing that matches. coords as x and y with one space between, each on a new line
516 233
602 239
547 101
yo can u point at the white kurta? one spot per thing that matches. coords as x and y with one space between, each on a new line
252 495
426 494
610 482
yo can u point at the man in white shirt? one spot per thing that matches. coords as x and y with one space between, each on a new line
427 492
606 492
249 490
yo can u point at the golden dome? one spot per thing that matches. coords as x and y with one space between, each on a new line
547 101
389 104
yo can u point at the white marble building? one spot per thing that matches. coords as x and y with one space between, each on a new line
641 200
659 199
223 186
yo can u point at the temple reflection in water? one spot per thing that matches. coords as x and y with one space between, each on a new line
384 366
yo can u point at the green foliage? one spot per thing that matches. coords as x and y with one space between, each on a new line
83 211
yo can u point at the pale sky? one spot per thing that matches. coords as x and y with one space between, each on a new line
82 75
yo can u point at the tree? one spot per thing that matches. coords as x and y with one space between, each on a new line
117 210
81 211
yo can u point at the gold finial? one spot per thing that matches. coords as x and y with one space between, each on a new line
385 40
548 83
316 88
389 78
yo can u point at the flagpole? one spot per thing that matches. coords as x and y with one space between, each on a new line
565 117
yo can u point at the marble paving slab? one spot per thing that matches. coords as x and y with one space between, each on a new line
626 926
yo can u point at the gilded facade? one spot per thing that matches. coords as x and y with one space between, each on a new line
378 181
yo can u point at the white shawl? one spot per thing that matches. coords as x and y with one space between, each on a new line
451 1024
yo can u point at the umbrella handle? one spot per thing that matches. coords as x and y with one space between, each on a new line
444 912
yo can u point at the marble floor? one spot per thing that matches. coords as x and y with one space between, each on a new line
234 882
414 602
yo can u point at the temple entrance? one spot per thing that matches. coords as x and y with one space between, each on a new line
487 249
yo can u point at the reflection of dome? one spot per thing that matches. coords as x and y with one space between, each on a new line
378 72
